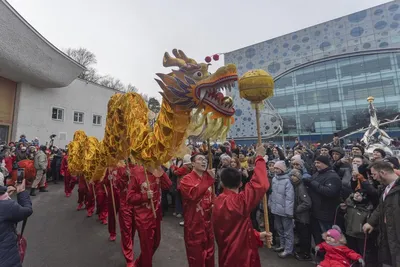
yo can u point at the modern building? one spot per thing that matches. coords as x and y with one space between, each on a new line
323 74
40 94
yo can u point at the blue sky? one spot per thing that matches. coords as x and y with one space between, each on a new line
129 37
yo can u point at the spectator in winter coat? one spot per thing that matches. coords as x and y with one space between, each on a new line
56 164
302 206
298 164
324 189
358 209
21 154
40 164
281 203
386 217
12 212
378 154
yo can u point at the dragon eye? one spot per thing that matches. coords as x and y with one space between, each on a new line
198 74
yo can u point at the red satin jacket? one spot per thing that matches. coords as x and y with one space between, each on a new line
180 172
237 241
338 256
137 196
64 167
197 206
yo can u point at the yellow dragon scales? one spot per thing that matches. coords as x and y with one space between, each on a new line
193 105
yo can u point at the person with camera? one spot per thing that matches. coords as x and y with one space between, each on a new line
40 164
12 212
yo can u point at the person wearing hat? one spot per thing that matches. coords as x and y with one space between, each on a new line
357 150
21 154
302 206
378 154
298 164
12 212
324 151
324 189
281 203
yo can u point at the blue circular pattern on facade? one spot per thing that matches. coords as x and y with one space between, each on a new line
287 61
296 48
274 67
285 45
396 17
367 45
357 17
238 112
305 39
337 33
240 58
378 12
284 54
380 25
394 25
357 31
261 62
276 51
324 45
294 37
249 65
251 52
383 45
249 119
393 8
317 33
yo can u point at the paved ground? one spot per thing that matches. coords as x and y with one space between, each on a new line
60 236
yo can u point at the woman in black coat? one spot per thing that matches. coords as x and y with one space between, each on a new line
12 212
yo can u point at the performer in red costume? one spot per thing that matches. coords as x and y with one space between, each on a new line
196 193
140 194
119 178
237 240
85 196
69 181
101 201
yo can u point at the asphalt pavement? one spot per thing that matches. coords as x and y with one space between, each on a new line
60 236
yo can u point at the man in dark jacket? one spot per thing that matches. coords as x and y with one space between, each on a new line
56 164
324 189
11 213
386 217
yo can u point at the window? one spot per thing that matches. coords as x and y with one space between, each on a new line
96 120
57 114
78 117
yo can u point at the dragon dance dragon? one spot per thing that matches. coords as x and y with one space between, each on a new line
193 104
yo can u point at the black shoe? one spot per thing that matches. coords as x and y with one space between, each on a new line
43 189
33 192
279 249
302 256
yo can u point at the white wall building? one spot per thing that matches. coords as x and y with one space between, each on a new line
40 94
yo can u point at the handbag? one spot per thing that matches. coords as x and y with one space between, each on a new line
21 241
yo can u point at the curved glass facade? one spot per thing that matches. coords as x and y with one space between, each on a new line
330 96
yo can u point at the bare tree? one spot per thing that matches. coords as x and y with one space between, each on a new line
131 88
86 59
145 97
112 82
82 56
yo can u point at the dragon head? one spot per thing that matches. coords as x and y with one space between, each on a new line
193 86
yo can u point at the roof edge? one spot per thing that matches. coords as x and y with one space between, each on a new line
41 36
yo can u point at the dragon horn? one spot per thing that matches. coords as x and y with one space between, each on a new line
180 54
169 61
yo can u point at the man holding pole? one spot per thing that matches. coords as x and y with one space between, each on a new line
196 190
144 194
237 240
117 180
